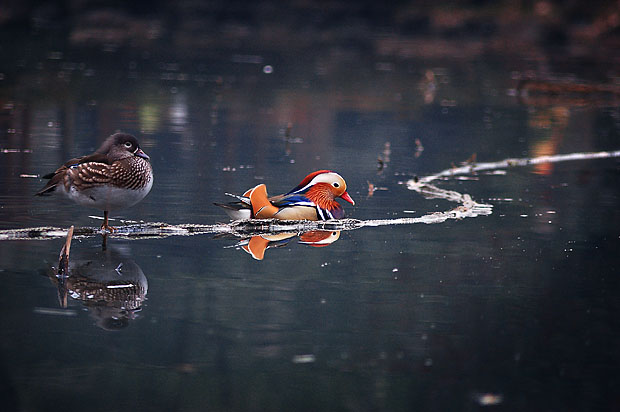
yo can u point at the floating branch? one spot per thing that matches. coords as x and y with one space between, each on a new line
132 231
415 184
238 228
466 208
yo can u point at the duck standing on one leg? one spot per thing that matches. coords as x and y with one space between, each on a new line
118 175
312 199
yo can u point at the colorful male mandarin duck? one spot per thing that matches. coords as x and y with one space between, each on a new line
312 199
116 176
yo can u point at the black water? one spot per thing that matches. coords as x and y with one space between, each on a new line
517 309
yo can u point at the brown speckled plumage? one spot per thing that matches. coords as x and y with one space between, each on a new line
129 173
116 176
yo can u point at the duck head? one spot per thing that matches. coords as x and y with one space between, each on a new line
323 187
120 146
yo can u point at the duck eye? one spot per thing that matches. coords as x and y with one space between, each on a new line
128 145
335 184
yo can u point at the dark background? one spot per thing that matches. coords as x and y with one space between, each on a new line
517 309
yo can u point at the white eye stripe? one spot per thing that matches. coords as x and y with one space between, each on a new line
322 178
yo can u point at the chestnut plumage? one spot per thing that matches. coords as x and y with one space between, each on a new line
312 199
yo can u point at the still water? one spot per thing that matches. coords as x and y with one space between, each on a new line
516 308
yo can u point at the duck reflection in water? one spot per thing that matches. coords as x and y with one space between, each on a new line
108 283
257 245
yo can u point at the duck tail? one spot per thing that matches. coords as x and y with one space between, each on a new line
48 189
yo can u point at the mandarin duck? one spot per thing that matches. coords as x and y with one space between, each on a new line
257 245
312 199
116 176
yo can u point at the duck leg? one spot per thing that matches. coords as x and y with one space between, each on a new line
105 225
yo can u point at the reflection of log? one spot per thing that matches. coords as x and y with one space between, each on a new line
63 269
63 261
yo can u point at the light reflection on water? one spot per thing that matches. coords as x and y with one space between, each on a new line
519 304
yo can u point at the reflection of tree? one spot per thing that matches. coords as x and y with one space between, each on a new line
552 102
555 120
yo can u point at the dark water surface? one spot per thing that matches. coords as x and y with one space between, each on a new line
518 308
